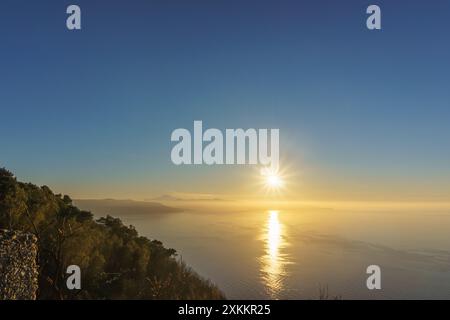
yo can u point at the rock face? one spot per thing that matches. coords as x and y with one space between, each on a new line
18 267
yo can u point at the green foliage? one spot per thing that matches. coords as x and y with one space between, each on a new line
116 262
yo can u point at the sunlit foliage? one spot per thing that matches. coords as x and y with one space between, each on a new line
116 262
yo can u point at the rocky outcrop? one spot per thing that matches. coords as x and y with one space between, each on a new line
18 267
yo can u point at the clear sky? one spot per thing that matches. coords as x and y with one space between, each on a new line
363 115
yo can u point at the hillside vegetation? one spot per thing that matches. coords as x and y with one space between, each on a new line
116 263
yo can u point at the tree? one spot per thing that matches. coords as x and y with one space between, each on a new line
116 262
12 200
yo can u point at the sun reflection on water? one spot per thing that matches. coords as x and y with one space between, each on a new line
273 262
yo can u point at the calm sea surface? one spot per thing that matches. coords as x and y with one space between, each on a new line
276 254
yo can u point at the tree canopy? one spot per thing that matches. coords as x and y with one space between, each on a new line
116 262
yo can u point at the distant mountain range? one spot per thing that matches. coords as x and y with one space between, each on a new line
101 207
193 197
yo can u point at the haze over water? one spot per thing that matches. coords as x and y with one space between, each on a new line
291 254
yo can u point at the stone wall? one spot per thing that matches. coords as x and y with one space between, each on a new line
18 267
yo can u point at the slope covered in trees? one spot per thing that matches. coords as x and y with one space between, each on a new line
116 262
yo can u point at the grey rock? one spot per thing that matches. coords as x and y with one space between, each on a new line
18 266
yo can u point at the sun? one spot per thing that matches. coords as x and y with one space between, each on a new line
272 179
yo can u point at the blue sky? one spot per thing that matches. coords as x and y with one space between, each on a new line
362 114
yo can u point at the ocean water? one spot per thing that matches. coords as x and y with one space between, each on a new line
308 253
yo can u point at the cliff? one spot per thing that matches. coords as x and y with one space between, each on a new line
18 268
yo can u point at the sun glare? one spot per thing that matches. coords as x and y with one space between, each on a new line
272 179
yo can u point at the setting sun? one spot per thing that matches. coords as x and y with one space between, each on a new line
274 181
272 178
